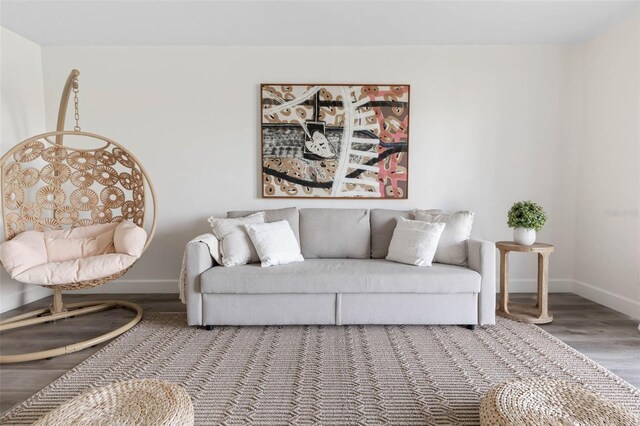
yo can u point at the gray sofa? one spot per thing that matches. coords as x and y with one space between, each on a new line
343 280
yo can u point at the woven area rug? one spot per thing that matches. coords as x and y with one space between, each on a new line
330 375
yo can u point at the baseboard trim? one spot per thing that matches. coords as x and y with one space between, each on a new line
133 286
607 298
26 295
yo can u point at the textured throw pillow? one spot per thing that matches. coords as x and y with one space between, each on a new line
383 223
452 248
235 246
275 243
290 214
414 242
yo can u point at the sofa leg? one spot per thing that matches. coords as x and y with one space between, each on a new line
208 327
471 326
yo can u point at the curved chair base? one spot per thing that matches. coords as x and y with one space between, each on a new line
71 310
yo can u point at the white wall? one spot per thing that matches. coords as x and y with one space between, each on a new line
607 267
486 131
490 125
21 115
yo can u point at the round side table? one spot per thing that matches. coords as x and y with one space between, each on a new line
538 314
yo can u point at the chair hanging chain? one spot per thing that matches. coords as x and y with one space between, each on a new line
75 103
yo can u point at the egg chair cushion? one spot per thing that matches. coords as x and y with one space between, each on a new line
24 251
129 238
77 243
71 271
68 256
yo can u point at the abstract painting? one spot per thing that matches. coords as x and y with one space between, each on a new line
335 141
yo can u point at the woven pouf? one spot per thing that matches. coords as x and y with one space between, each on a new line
132 402
538 402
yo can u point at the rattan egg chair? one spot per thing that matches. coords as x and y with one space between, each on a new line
47 185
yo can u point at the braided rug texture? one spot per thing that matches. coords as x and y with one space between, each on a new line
330 375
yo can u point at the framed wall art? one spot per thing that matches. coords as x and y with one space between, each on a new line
335 140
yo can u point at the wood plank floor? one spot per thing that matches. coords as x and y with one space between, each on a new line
608 337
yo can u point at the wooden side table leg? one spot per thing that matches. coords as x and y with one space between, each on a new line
504 281
543 286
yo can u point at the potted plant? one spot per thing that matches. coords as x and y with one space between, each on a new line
526 218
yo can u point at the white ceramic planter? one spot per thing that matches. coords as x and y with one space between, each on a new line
524 236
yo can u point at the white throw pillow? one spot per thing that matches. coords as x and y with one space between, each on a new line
414 242
235 246
452 248
275 243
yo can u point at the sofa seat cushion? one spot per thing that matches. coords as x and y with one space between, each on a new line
340 276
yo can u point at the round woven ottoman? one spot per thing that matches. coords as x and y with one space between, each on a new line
132 402
537 402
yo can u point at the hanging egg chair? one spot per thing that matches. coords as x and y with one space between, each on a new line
73 219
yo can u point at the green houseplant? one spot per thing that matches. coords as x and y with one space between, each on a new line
526 218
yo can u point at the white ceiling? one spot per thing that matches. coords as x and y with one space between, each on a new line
309 22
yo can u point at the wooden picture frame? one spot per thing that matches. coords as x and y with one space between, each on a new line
342 141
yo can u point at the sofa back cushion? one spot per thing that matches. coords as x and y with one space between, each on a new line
383 223
235 245
289 214
452 246
335 233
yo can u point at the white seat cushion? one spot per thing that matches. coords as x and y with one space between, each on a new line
72 255
24 251
71 271
340 276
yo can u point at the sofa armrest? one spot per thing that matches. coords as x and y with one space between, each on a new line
482 259
197 260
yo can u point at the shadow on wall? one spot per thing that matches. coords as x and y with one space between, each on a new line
18 125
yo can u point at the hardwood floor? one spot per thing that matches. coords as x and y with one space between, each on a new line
606 336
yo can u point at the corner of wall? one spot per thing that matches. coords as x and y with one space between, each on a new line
22 115
607 229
